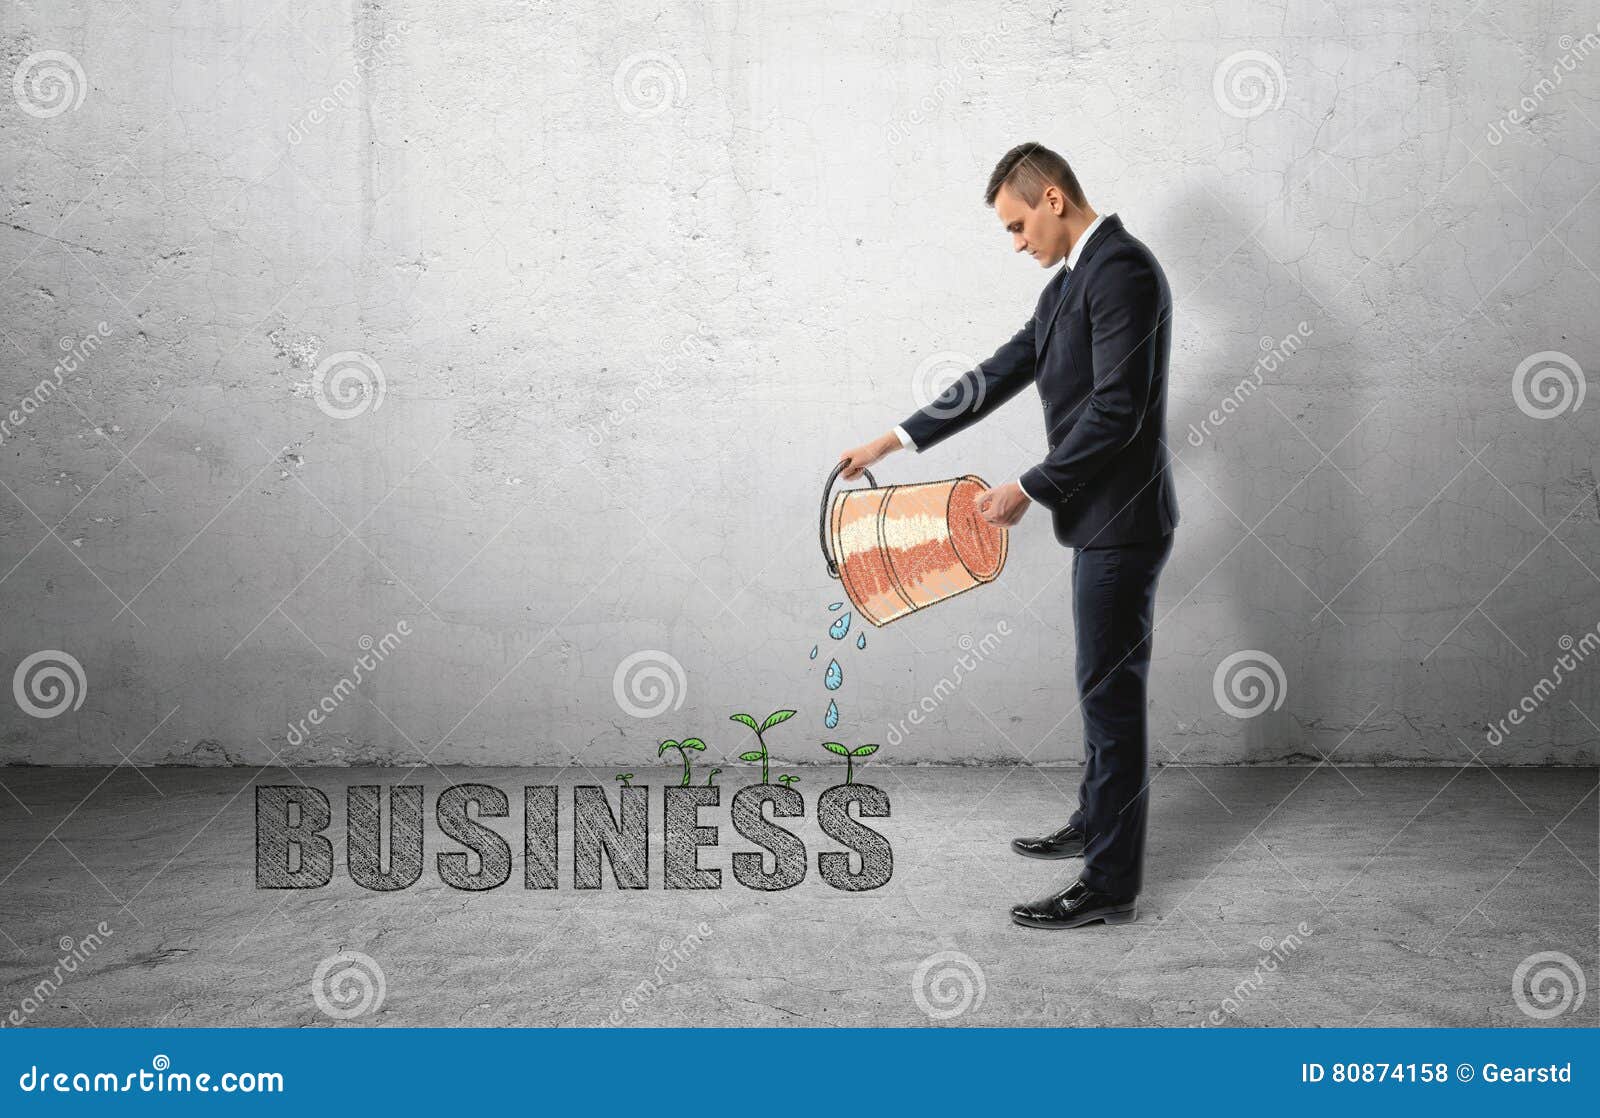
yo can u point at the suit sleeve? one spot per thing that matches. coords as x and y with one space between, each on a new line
976 392
1124 308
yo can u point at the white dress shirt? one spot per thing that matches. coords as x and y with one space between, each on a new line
1071 263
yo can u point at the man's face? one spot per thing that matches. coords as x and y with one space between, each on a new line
1037 230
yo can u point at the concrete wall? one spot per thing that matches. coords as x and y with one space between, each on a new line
631 279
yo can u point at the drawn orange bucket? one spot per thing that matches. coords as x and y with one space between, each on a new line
901 548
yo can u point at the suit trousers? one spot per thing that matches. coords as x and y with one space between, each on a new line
1113 607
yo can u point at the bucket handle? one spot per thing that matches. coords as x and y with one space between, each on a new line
822 530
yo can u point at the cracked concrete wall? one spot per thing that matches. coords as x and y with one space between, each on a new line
629 280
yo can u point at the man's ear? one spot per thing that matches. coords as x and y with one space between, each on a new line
1056 200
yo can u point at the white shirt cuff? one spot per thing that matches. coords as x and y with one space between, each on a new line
905 439
1025 492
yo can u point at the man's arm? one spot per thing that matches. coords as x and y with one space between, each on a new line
1124 316
974 394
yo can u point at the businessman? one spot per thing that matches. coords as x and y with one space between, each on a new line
1096 348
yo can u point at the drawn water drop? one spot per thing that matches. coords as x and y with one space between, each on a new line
840 627
813 652
861 641
835 606
831 719
835 677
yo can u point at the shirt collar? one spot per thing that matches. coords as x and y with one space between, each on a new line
1077 248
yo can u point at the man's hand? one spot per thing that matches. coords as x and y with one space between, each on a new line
1004 505
867 454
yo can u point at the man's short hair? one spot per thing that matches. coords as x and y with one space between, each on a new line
1027 169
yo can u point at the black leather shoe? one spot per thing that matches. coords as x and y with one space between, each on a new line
1065 843
1073 907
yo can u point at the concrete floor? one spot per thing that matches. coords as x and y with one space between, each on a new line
1421 889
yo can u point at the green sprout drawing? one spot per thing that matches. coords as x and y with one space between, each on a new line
788 781
683 748
761 754
850 756
712 777
625 778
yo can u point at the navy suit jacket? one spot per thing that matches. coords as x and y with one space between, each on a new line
1096 348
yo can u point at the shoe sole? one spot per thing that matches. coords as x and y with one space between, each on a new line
1046 857
1114 916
